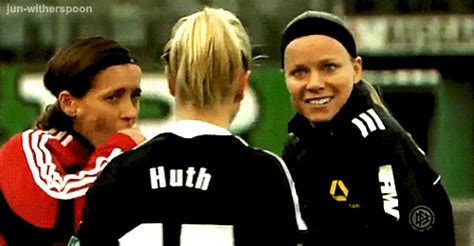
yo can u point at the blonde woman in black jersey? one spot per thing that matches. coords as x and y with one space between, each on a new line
196 183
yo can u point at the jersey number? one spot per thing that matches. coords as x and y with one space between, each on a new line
191 234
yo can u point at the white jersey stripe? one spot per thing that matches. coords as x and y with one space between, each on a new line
361 126
377 119
40 158
369 121
52 177
100 164
44 171
299 219
30 157
372 121
67 140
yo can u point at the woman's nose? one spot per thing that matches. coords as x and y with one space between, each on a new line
315 81
129 111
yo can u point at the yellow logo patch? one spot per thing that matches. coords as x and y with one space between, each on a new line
342 188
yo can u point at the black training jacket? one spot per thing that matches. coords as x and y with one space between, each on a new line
195 184
362 180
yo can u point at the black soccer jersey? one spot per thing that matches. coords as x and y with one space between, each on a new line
194 184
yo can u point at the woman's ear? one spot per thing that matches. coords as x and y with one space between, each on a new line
357 64
67 103
171 83
242 83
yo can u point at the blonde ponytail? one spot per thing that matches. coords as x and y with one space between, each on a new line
207 51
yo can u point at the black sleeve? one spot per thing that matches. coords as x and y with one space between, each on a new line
103 212
275 203
291 151
426 216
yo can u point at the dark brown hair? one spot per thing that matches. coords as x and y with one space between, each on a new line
73 69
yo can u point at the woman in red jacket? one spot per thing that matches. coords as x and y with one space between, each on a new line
46 171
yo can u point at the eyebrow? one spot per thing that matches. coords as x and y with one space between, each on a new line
297 66
318 62
122 90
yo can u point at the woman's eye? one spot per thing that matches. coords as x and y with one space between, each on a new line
111 98
298 73
136 95
330 67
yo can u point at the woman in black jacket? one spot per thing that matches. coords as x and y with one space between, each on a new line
361 178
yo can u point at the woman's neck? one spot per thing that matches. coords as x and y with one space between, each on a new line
220 115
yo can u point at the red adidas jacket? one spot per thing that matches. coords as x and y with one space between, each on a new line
44 176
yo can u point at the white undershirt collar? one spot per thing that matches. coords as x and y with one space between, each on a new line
194 128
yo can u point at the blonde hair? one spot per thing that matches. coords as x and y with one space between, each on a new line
374 94
206 53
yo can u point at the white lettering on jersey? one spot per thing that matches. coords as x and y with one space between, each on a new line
159 179
176 179
389 192
189 177
203 179
157 174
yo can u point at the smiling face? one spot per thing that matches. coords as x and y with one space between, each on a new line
320 75
112 104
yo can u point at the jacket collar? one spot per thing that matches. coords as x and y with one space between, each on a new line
81 139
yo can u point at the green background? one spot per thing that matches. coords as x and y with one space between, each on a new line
450 139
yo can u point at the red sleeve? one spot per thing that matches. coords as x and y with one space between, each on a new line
116 144
48 155
2 241
32 171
